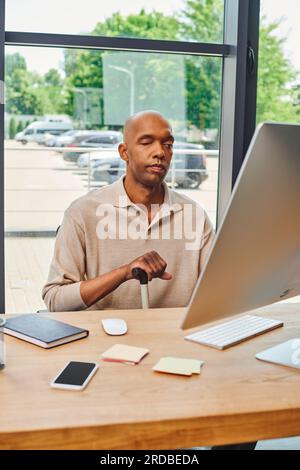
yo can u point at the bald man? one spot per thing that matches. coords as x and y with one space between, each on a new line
135 222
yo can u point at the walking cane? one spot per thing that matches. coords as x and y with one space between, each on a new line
142 276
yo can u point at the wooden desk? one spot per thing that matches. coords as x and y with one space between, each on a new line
235 399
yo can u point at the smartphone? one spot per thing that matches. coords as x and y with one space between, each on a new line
75 375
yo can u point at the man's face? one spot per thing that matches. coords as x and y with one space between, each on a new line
148 149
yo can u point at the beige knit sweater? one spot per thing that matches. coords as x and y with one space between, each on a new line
104 229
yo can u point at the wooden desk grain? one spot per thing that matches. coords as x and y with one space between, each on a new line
235 399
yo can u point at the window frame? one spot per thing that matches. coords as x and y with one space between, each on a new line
239 52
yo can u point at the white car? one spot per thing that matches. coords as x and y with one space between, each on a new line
59 140
36 130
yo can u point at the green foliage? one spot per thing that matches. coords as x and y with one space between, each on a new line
157 75
53 78
20 127
202 20
152 25
203 81
20 95
14 62
29 92
275 94
297 100
12 128
84 69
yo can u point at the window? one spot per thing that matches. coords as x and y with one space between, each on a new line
186 89
175 57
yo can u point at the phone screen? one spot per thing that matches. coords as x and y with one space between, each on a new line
75 373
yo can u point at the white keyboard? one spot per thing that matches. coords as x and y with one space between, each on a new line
233 332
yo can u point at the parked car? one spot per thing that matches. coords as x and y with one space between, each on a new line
94 157
75 142
193 166
36 130
109 168
67 139
104 139
60 140
190 169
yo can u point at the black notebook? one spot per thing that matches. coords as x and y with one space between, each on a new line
42 331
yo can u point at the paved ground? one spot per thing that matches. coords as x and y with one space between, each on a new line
39 186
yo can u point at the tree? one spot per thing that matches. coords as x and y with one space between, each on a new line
12 128
14 62
154 25
20 96
20 93
297 100
202 20
20 127
275 94
84 69
156 75
200 76
29 92
53 78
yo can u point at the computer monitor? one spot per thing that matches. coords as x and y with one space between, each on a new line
254 259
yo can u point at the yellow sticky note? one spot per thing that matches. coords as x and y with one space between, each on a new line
175 365
123 353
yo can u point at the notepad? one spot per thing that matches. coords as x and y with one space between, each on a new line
179 366
124 353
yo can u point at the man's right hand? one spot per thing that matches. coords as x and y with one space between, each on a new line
150 262
92 290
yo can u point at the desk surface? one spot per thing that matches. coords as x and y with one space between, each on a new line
235 399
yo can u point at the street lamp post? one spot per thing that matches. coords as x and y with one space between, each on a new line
131 77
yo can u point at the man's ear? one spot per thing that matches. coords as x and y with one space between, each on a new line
122 148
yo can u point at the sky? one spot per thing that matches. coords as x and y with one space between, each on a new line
70 17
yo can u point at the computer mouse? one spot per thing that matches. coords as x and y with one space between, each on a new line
114 326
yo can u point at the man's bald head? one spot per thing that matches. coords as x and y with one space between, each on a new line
134 122
147 148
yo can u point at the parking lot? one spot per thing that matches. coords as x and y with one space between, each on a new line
40 184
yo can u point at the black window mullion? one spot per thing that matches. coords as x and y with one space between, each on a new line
17 38
245 116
